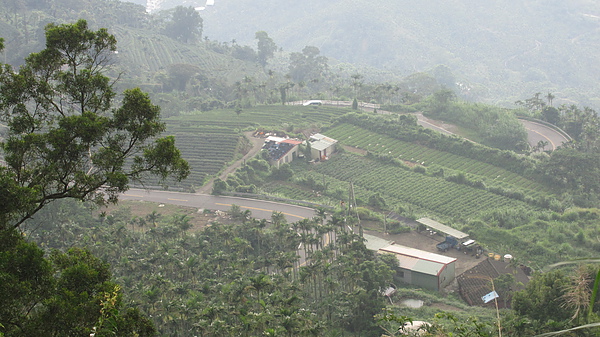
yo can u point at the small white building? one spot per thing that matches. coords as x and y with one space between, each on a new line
321 146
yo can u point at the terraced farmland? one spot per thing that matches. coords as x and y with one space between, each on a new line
266 116
427 193
355 136
143 53
210 140
206 148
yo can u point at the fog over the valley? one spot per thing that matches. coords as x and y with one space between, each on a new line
497 53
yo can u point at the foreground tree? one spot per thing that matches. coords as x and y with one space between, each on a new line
65 295
66 139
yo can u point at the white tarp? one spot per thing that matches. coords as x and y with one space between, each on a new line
490 297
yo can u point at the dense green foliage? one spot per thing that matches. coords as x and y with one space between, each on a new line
494 126
65 294
185 25
193 282
67 139
245 277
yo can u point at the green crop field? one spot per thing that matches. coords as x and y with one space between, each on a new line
266 116
142 53
355 136
208 149
211 140
431 194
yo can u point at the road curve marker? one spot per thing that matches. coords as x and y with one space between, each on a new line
263 209
176 199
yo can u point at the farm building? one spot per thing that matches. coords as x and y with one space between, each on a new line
321 146
281 150
424 269
443 229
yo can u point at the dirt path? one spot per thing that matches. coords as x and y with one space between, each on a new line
355 150
257 144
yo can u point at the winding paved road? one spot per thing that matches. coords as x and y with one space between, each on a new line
260 208
537 132
263 208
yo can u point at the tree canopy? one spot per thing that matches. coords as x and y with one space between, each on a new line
67 137
266 47
67 294
307 65
185 25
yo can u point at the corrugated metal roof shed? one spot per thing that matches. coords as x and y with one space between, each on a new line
320 145
419 260
322 137
443 228
375 243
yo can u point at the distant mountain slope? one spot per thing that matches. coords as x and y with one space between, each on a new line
143 53
500 49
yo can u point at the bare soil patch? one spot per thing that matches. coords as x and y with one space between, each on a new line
198 218
355 150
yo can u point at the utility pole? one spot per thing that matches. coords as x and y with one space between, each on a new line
385 223
352 203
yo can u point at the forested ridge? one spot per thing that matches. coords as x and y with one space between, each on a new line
76 133
499 53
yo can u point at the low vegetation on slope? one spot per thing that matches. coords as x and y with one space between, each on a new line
211 140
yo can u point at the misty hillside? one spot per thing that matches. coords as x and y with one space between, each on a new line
502 53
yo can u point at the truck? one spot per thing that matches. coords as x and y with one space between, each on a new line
450 242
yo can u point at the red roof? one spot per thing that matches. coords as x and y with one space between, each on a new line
290 141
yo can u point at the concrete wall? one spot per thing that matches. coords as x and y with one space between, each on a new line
447 275
316 154
420 280
289 157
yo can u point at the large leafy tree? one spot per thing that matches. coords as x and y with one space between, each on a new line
67 137
67 294
185 25
307 65
266 47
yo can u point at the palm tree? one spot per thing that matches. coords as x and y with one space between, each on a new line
153 217
278 218
259 283
549 97
356 83
182 221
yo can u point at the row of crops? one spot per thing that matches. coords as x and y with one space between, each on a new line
381 144
210 140
424 192
143 52
288 191
267 116
208 149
